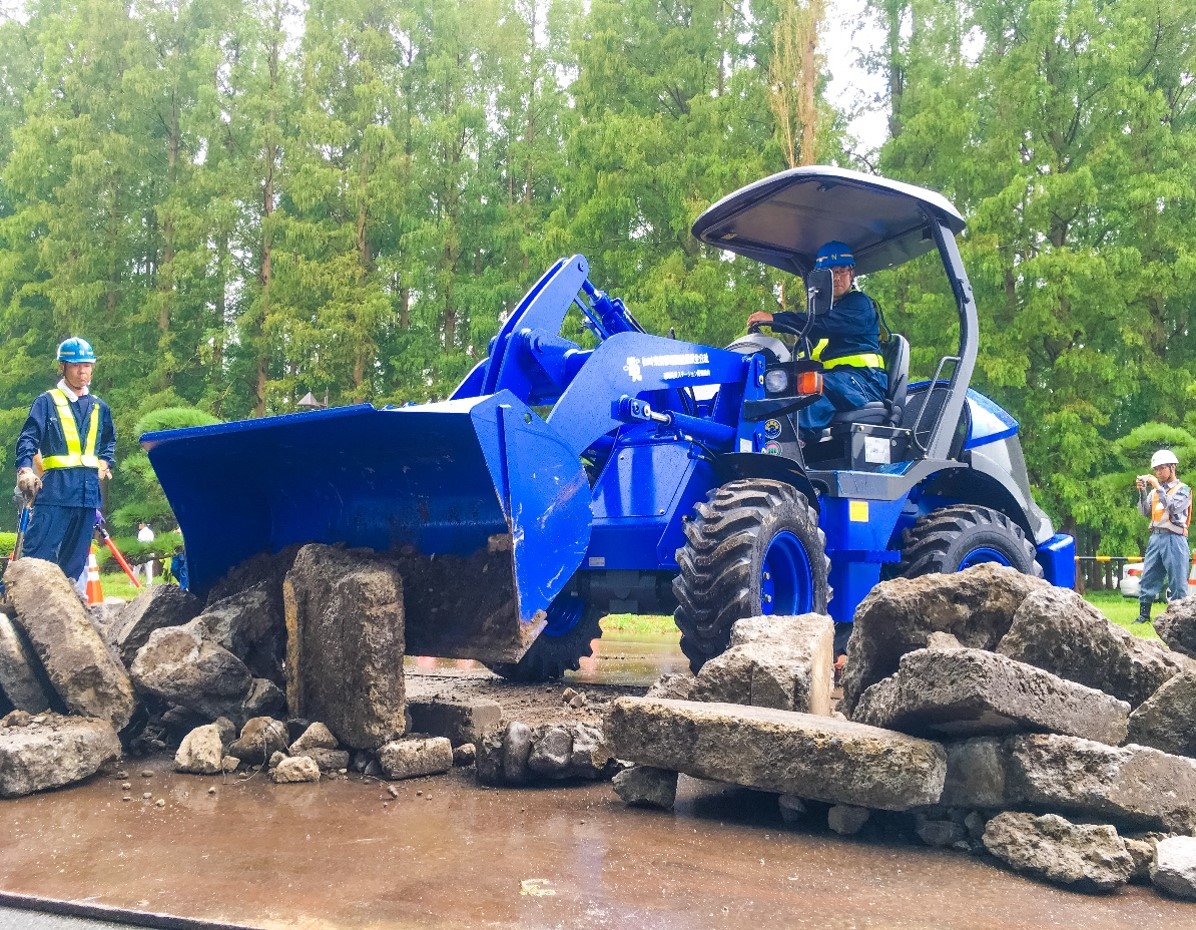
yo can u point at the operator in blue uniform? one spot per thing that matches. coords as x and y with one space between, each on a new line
72 430
846 339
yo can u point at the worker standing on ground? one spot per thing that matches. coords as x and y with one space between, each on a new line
1167 502
72 430
846 339
145 535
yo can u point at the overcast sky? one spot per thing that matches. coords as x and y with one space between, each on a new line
851 88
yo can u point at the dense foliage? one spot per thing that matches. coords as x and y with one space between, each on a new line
241 203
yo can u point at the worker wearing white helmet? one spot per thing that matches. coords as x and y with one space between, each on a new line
1167 502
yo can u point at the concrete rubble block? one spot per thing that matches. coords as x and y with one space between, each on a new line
179 667
940 833
344 610
251 625
976 606
1083 857
782 662
1142 852
459 720
591 756
1177 626
264 699
793 809
260 738
846 819
1173 868
464 755
552 752
516 751
1131 785
488 757
316 736
88 678
1167 719
977 774
155 607
22 679
1057 630
412 758
813 757
51 750
675 685
202 751
329 760
970 692
646 786
295 770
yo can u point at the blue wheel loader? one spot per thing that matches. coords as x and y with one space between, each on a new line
563 481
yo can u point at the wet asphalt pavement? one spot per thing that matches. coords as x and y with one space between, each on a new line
447 853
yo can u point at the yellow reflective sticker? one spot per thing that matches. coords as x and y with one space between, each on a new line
857 511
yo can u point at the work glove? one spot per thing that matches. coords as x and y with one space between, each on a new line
28 483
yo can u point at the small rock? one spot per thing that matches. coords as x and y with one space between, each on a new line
464 755
847 820
161 802
212 790
147 773
147 796
578 700
392 791
125 786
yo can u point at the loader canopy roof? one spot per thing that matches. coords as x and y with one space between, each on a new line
784 219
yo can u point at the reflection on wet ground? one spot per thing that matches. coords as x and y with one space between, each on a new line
446 853
617 660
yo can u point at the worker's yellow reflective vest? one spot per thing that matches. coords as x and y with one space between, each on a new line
862 360
77 456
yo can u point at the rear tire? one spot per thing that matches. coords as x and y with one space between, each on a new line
553 653
955 538
753 548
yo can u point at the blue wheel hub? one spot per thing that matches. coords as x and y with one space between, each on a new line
786 577
981 555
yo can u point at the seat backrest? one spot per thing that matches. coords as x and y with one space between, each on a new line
896 352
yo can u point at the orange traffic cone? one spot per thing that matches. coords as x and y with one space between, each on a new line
95 594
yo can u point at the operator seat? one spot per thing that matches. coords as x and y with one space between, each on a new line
885 412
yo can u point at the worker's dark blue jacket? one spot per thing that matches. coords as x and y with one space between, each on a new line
848 333
66 487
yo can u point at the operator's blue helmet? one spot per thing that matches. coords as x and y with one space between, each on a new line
835 254
75 351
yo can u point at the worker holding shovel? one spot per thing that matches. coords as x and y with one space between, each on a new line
72 431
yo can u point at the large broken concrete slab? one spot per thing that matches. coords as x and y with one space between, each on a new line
344 618
155 607
899 616
782 662
50 750
1134 786
1057 630
968 692
183 669
821 758
1177 626
88 678
1084 857
1173 868
20 672
1167 719
250 625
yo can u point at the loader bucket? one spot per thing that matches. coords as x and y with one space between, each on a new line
479 502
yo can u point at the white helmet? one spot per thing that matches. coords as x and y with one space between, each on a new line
1163 457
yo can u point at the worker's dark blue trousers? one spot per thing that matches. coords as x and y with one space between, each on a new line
1166 554
62 535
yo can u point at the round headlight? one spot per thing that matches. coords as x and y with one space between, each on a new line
776 381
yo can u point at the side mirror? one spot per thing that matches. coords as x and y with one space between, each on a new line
820 291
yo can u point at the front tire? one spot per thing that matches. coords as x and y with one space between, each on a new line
955 538
567 638
753 548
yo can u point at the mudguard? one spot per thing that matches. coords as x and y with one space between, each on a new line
478 497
